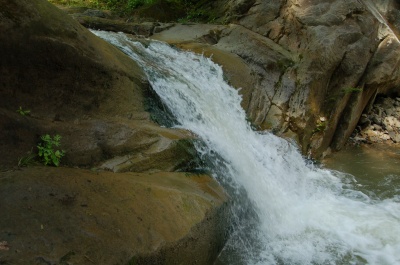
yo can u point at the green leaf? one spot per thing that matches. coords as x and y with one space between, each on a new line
46 151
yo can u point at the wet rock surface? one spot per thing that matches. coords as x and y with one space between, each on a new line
308 71
306 62
303 62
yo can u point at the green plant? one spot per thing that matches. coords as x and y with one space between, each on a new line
46 152
27 160
320 127
349 90
22 111
136 3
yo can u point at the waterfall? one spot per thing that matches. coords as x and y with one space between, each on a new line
298 213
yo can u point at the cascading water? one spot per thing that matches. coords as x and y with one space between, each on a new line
303 214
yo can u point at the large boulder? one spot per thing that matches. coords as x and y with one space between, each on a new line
342 56
59 78
77 86
73 216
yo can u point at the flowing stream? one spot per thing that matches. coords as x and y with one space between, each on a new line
285 209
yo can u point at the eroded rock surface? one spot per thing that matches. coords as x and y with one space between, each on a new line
381 124
334 46
302 61
59 78
77 86
309 61
74 216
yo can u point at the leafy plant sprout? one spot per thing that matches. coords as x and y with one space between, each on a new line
22 111
46 152
349 90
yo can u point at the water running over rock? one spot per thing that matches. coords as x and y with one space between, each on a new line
303 215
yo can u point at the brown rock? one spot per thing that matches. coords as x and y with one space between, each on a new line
63 215
82 88
78 86
325 59
142 29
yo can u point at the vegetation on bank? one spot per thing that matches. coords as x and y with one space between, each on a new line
121 6
163 10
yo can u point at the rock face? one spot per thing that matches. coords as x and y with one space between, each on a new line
311 68
314 66
335 56
74 85
381 124
73 216
59 78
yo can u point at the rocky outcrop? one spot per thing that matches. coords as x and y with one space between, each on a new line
111 143
314 67
306 70
340 54
77 86
381 124
140 29
73 216
59 78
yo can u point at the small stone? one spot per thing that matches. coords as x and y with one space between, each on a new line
359 139
364 119
396 138
387 103
389 128
371 133
379 110
396 123
391 121
376 119
397 113
389 112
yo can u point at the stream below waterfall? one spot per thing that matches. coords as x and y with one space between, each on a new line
285 210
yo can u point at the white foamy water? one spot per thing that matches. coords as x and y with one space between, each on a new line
304 215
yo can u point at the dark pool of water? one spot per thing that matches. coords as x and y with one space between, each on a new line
376 168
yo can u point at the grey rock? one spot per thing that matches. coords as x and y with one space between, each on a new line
376 119
377 127
325 59
95 13
396 138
